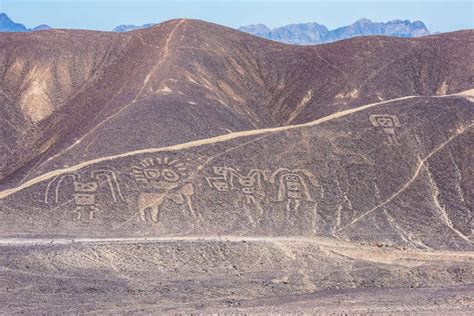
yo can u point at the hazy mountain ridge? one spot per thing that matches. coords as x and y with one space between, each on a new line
298 34
314 33
131 27
7 25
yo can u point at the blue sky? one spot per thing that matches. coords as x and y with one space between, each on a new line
106 14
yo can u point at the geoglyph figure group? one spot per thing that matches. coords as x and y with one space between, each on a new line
292 186
161 180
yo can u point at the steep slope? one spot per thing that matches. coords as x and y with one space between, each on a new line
185 80
41 74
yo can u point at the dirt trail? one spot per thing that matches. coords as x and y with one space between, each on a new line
332 247
207 141
351 247
107 240
421 163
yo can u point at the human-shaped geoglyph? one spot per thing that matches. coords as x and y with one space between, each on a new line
163 180
248 185
388 123
84 191
293 187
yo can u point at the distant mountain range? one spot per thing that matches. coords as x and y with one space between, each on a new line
7 25
299 34
131 27
314 33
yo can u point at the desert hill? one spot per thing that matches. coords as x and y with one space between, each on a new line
74 97
189 166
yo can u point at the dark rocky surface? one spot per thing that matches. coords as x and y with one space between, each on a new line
232 276
190 167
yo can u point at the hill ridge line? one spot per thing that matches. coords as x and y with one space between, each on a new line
206 141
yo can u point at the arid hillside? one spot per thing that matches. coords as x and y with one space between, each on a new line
71 96
191 167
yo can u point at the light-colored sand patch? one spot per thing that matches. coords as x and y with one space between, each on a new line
191 79
443 89
35 102
165 90
354 93
306 98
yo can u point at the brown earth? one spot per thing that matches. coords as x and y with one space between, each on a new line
71 96
190 167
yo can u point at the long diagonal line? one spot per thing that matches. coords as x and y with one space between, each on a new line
192 144
421 164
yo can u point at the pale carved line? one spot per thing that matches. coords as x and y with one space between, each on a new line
196 143
421 164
